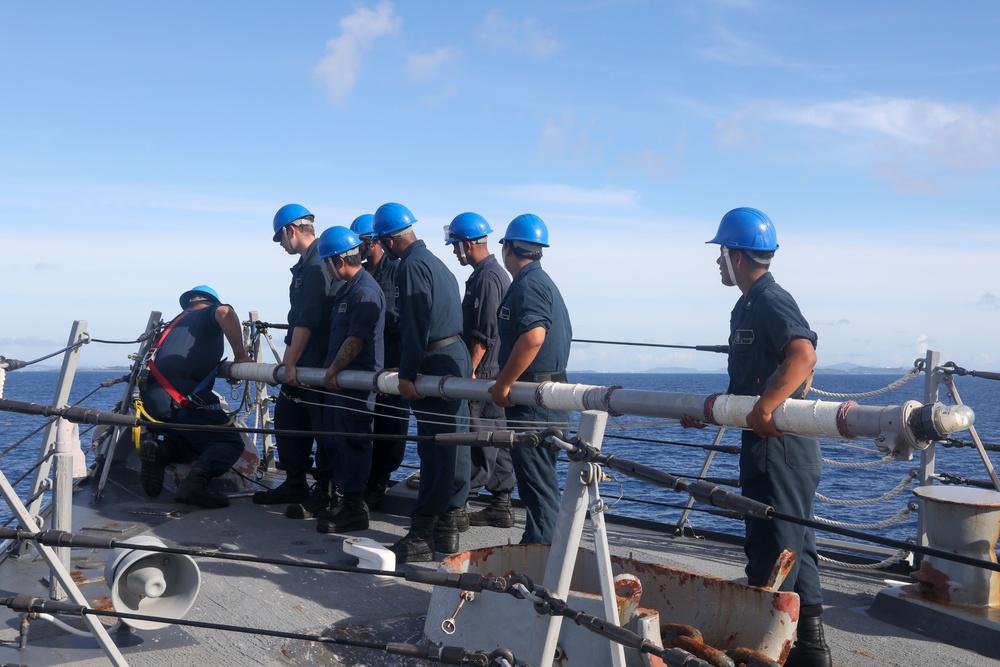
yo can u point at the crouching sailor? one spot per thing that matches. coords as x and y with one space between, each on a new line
177 389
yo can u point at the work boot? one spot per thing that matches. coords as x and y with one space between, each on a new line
446 531
461 518
154 455
292 490
499 514
319 499
374 493
196 489
417 546
353 515
810 648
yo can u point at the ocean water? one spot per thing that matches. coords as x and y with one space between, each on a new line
673 449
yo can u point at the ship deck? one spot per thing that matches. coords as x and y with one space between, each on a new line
296 599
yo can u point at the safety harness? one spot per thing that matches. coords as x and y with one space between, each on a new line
176 396
179 399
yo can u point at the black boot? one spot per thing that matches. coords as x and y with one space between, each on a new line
320 496
374 494
292 490
810 649
461 518
446 531
154 455
499 514
417 546
352 515
196 489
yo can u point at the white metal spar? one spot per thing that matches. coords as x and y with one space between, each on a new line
899 429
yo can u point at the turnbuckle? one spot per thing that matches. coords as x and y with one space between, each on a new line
448 624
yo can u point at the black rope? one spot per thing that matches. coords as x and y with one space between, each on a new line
948 478
719 497
103 385
548 604
725 449
722 349
450 655
951 368
955 442
49 356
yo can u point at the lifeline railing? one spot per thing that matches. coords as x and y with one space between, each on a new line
899 429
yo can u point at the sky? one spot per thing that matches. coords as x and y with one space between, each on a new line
144 148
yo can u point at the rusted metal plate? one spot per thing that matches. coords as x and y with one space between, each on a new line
728 614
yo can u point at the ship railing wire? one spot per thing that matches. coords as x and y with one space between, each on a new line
248 405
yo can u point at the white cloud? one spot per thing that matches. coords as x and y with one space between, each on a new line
339 70
658 166
909 121
526 36
420 66
734 50
922 343
912 143
562 141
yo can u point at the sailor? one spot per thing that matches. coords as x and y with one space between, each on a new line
430 314
392 414
356 324
177 389
535 334
772 352
484 290
299 408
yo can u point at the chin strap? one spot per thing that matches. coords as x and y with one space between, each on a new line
729 265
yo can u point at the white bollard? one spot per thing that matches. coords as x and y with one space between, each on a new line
966 521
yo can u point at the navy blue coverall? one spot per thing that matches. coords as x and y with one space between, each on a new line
533 300
188 358
357 311
782 472
310 297
430 314
484 291
392 413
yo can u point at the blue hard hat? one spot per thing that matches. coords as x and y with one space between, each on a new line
467 227
337 241
362 225
288 214
200 290
391 218
746 229
527 227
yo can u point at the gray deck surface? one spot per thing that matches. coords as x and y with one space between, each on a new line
296 599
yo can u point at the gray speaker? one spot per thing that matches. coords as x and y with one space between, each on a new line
151 583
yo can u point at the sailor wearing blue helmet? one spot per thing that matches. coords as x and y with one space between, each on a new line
355 344
484 290
430 314
299 408
177 389
772 352
535 334
391 410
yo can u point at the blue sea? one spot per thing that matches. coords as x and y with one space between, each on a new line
671 449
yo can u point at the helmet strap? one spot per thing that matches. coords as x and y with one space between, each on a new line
729 264
463 259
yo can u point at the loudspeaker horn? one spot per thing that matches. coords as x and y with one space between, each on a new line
151 583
